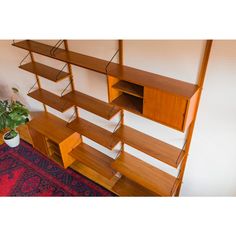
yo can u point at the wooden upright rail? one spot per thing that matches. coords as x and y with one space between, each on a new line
37 77
201 79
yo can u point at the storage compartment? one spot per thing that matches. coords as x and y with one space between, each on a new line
169 109
126 95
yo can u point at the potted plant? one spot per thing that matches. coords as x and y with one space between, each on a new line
12 114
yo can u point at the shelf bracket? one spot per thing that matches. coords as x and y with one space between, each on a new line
66 88
24 58
120 121
55 47
32 87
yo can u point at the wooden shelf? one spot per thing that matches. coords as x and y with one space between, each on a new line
94 132
91 104
130 103
158 149
130 88
44 71
93 159
51 100
148 79
77 59
55 157
125 187
146 175
126 73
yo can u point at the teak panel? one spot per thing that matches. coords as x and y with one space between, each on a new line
125 187
93 159
145 174
39 141
44 71
92 104
165 108
52 100
112 93
67 146
94 132
158 149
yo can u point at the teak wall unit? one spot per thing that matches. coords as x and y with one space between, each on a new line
168 101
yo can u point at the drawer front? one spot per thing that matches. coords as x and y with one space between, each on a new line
165 108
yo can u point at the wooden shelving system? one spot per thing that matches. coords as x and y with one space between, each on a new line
168 101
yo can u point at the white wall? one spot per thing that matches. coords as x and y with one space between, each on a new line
210 170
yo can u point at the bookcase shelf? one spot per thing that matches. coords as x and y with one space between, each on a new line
168 101
44 71
52 100
92 104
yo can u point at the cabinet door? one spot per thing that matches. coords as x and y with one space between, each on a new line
39 141
165 108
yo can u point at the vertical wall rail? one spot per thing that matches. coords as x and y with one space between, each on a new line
201 79
71 76
121 61
37 77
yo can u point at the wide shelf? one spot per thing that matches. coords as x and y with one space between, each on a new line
93 159
125 187
129 88
94 132
92 104
126 73
145 174
158 149
44 71
129 103
52 100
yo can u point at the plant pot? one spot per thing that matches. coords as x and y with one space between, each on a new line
14 142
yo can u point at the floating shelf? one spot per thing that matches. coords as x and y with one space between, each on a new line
126 187
130 103
93 159
92 104
158 149
45 71
130 88
94 132
50 99
145 174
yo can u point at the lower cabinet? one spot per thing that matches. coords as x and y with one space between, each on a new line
51 137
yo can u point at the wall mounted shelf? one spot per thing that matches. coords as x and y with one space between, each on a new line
44 71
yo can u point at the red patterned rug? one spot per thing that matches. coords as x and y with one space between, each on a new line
26 172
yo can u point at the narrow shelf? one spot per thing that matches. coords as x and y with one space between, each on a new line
93 159
57 159
126 187
129 103
130 88
158 149
94 132
51 100
145 174
92 104
44 71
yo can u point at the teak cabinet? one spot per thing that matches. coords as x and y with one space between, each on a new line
170 109
51 137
